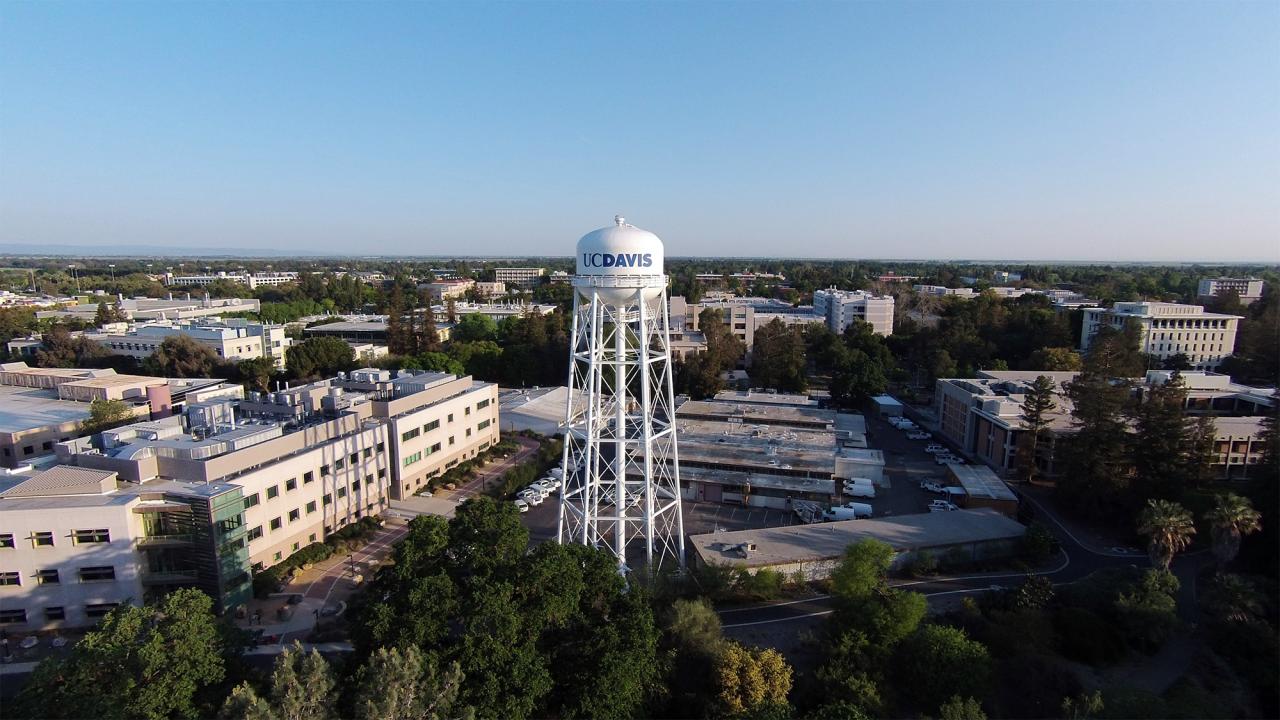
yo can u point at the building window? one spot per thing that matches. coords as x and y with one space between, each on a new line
342 492
339 464
251 500
10 578
382 473
276 523
296 546
328 499
277 556
382 447
294 514
468 432
291 484
98 610
483 424
324 470
82 537
368 453
55 613
431 426
47 577
273 491
466 410
12 616
42 539
409 435
308 477
255 533
451 439
311 507
482 404
450 418
411 459
354 458
368 479
6 540
102 573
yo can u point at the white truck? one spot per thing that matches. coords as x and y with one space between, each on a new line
862 491
851 511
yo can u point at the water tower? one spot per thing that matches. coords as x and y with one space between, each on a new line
622 472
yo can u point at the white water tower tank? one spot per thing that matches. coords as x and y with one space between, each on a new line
617 260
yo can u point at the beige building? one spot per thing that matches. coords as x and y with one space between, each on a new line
1168 329
519 277
441 290
1248 289
841 308
229 342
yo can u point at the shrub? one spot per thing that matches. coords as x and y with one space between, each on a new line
922 563
1038 543
764 584
1086 637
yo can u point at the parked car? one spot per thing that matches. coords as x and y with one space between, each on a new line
544 484
942 506
944 458
931 486
531 497
862 491
553 481
522 506
919 436
933 448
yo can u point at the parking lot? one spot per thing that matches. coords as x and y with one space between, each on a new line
906 465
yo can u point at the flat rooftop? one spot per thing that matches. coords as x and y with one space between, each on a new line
757 413
826 541
764 398
980 482
29 408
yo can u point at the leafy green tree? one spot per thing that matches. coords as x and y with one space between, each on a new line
778 357
862 570
1095 458
406 685
244 703
961 708
483 359
747 679
474 327
939 662
302 685
257 372
1056 359
319 357
60 349
105 415
1039 402
1200 453
149 662
506 674
1148 613
441 362
1231 518
181 356
1168 527
109 313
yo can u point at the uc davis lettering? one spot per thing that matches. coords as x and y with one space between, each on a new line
643 260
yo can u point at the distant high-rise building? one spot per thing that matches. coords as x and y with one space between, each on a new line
1249 289
841 308
520 277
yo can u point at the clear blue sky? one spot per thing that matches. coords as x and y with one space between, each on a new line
1059 130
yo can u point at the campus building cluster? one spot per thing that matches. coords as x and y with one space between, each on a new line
205 493
1168 329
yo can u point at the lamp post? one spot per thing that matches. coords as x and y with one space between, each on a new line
113 271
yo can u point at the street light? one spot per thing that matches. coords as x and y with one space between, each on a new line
113 271
75 275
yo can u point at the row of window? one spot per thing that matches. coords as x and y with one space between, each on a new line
310 476
328 530
92 610
296 513
28 450
102 573
45 539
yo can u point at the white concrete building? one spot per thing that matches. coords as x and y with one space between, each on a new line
1249 289
519 277
233 343
253 280
1168 329
841 308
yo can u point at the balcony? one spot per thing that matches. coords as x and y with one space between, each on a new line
167 540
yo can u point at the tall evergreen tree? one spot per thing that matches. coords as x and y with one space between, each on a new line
1036 407
1160 440
395 321
1096 470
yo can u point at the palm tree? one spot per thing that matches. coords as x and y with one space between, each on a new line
1168 528
1231 519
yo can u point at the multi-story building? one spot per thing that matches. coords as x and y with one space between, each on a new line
76 542
253 280
232 343
1248 289
490 290
40 407
524 278
742 315
841 308
446 289
983 416
1005 276
275 341
1168 329
944 291
142 309
497 311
